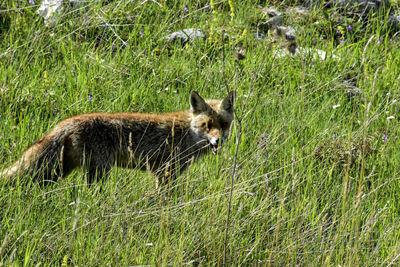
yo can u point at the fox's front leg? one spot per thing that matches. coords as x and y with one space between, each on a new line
166 174
169 172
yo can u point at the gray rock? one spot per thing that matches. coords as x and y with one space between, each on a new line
299 11
260 36
394 21
290 35
288 32
271 12
362 7
274 22
186 36
353 92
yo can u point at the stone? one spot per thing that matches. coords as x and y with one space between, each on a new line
274 22
271 12
186 36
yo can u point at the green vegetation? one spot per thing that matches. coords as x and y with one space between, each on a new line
316 179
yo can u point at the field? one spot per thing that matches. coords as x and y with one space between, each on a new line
309 176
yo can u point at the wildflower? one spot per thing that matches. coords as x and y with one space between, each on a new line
12 189
385 138
90 97
332 15
390 118
349 27
379 41
342 41
45 93
32 2
395 138
186 9
141 32
333 136
347 152
336 106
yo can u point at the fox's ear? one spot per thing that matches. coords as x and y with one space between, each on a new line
197 103
228 103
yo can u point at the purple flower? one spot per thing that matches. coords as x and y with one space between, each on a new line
339 33
342 41
349 27
385 138
332 15
45 93
395 138
347 152
186 9
90 97
334 136
141 32
32 2
379 41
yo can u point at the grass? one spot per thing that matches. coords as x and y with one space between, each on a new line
307 189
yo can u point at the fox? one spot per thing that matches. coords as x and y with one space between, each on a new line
164 143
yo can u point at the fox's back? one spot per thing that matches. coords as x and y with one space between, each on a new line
124 132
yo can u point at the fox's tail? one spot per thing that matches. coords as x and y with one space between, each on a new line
42 161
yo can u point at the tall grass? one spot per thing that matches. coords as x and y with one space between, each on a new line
316 170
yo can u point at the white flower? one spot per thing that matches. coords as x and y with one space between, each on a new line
336 106
390 118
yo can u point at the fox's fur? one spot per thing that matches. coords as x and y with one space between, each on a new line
162 143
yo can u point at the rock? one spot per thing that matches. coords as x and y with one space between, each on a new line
50 8
298 11
315 54
288 32
394 21
274 22
362 7
260 36
352 91
290 35
271 12
186 36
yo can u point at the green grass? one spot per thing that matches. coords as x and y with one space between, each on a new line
290 204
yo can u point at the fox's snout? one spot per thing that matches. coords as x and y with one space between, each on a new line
216 138
214 142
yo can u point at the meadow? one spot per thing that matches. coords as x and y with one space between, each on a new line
309 176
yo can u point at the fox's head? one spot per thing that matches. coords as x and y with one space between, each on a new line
211 119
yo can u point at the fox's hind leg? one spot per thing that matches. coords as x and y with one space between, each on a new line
98 166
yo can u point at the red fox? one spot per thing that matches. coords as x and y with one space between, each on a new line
165 144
